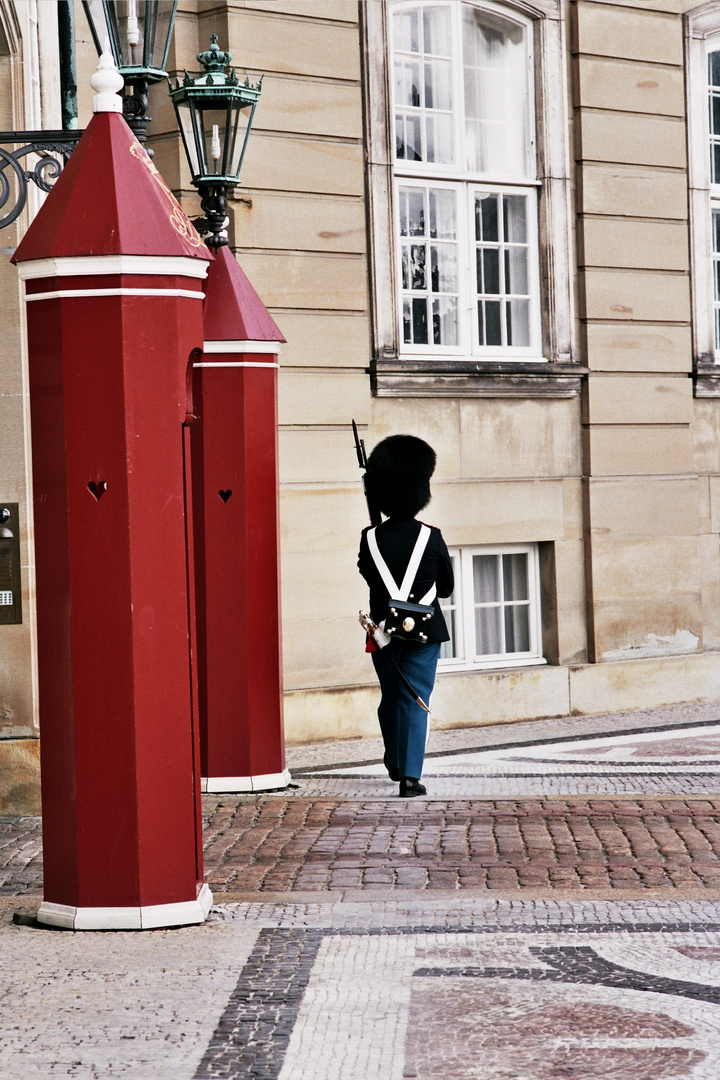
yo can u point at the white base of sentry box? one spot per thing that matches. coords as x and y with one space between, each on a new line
216 785
153 917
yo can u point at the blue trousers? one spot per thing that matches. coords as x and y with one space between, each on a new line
402 722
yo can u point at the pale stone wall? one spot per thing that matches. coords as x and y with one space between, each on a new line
19 787
621 487
643 496
621 461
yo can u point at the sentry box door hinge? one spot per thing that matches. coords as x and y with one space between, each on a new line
10 588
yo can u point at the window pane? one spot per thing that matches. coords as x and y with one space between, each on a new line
517 628
407 137
716 274
489 322
407 83
516 271
503 270
416 211
486 578
417 266
491 270
429 270
495 56
517 319
424 85
438 84
715 114
515 218
445 321
448 649
714 68
449 606
486 218
436 31
442 214
439 137
405 31
443 268
419 322
488 631
407 323
515 576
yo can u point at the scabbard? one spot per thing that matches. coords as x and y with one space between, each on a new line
408 685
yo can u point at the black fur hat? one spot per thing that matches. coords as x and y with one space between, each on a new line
398 475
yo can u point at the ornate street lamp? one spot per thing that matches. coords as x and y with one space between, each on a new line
215 113
139 33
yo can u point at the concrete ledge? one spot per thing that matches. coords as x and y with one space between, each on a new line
19 777
465 699
645 684
468 699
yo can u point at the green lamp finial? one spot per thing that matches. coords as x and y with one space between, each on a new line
214 60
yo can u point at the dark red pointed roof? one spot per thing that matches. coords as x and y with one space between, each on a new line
110 200
233 310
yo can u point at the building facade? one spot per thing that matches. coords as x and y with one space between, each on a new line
495 225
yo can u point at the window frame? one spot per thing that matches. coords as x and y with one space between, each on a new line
468 333
549 369
702 36
465 602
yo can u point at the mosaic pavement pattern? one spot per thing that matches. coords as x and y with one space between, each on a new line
677 760
485 990
551 913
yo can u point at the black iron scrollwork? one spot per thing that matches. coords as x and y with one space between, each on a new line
53 150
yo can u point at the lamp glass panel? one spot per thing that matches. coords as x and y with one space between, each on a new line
184 115
232 122
119 11
103 23
156 27
208 116
242 118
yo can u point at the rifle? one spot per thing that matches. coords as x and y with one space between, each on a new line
373 510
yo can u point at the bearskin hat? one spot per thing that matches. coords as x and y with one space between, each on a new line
398 475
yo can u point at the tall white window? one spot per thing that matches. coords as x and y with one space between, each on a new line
493 615
702 84
466 181
714 150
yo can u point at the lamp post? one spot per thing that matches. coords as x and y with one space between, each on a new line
233 452
215 113
139 33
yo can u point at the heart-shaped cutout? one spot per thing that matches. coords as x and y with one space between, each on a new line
225 495
97 489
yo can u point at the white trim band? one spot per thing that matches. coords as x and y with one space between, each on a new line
242 346
236 363
61 294
268 782
91 265
152 917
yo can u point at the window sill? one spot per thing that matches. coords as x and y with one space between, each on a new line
707 380
450 668
475 378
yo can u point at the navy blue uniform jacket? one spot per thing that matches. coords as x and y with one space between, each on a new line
396 540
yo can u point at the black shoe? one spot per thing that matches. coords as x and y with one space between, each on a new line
394 774
409 788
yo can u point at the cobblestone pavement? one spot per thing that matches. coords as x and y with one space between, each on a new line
549 911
